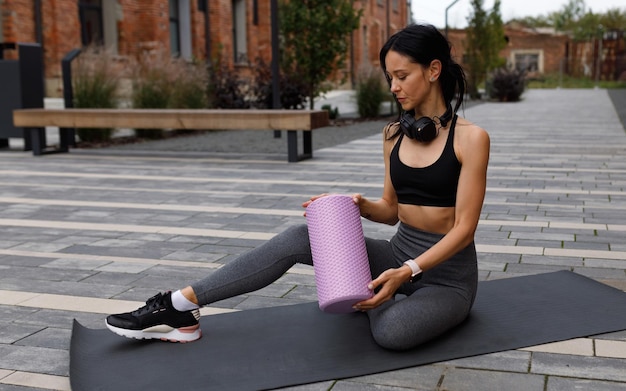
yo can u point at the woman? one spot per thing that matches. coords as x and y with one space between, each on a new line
435 179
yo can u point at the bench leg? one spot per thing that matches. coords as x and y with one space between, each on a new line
66 138
292 146
37 140
307 139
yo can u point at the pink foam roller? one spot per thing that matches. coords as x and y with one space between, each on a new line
342 270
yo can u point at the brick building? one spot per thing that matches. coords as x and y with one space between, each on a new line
238 31
536 52
544 51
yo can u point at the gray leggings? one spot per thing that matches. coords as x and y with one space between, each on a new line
439 301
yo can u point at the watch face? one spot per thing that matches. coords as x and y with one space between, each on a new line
416 277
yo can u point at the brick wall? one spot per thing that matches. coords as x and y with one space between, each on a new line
373 32
61 33
553 47
144 24
221 30
18 23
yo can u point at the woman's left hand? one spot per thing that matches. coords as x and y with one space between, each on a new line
389 281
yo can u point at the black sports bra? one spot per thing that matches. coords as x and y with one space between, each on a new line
434 185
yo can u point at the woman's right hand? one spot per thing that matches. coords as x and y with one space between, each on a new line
356 197
307 203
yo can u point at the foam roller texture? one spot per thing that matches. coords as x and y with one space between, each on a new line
340 261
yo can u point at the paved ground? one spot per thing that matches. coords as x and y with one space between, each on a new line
98 231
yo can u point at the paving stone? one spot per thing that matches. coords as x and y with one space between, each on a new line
112 278
598 273
420 378
535 269
509 361
35 359
579 366
53 338
253 302
13 332
24 261
75 264
566 262
579 244
195 256
132 252
352 386
470 379
567 384
615 349
45 274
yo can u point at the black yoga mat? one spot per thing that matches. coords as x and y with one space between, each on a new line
298 344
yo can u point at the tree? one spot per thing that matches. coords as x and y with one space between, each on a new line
531 21
614 19
569 14
315 38
485 40
583 24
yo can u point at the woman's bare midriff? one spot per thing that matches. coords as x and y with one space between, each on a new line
433 219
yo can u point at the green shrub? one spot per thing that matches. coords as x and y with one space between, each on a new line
161 81
228 90
292 88
95 81
370 93
332 113
506 85
189 90
152 88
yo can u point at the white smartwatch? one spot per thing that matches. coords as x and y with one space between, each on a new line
416 271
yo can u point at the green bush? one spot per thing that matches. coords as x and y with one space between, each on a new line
152 88
333 113
189 90
162 82
370 93
227 88
95 81
292 88
506 85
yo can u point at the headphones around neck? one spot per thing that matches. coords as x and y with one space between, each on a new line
423 129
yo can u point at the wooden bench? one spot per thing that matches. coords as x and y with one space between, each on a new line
35 121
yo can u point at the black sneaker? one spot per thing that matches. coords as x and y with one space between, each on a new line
158 319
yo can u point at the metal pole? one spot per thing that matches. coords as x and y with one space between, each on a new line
68 135
388 19
275 54
207 31
447 8
38 22
599 55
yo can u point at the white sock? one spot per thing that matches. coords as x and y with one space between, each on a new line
180 302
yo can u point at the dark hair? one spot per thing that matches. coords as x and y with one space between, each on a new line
423 43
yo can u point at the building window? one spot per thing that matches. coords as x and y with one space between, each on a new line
90 14
530 61
174 12
240 46
180 28
395 5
